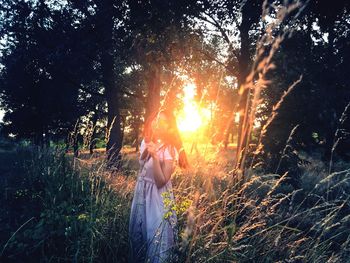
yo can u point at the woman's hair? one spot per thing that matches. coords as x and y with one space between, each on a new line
173 136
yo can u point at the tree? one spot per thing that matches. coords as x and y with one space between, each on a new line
317 102
159 28
38 90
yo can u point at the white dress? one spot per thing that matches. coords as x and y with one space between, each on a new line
152 234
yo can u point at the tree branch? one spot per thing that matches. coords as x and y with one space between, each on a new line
215 23
137 96
216 60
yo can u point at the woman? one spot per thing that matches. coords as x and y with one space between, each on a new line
152 235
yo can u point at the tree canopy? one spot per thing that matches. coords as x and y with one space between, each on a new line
70 65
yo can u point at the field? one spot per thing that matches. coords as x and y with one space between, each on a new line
61 210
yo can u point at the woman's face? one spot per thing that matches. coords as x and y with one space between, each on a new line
160 126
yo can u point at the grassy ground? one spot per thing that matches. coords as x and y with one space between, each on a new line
52 211
58 209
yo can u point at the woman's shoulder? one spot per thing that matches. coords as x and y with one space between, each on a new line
170 153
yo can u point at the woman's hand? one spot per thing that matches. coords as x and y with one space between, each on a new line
151 149
162 172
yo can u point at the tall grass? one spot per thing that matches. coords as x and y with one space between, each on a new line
267 46
264 219
57 210
74 214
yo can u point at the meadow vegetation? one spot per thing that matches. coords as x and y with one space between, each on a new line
63 209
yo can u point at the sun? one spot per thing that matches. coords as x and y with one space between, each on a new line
191 117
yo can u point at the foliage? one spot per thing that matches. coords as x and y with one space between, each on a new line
56 213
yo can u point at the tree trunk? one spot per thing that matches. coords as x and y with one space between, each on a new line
153 98
331 100
76 139
115 136
137 132
114 133
93 135
137 139
244 62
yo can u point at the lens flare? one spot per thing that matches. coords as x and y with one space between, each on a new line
192 117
